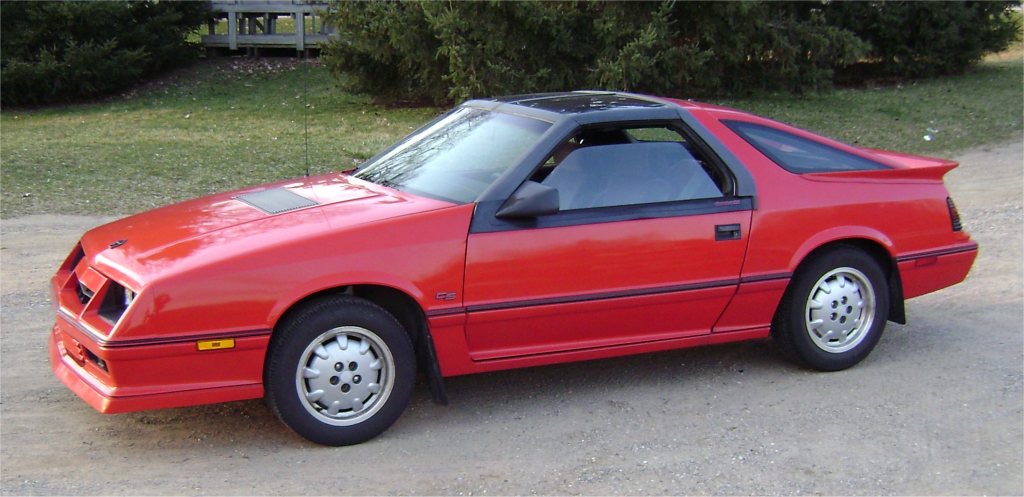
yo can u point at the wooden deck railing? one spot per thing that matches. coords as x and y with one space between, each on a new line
252 25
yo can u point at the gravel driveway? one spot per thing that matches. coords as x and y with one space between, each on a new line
936 409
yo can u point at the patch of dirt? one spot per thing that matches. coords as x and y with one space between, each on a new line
936 409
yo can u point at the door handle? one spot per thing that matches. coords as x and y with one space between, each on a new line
727 232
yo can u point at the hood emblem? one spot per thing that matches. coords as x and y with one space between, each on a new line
118 243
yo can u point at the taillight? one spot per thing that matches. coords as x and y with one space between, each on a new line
954 216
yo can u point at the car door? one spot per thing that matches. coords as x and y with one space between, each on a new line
647 245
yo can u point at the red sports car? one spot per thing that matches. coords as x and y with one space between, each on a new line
507 233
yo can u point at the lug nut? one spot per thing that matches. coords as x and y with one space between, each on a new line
356 379
352 366
345 388
334 380
338 366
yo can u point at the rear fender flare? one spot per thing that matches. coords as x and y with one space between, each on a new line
897 310
839 234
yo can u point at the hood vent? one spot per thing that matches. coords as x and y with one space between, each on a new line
276 200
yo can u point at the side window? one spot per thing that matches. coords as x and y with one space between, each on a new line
797 154
629 166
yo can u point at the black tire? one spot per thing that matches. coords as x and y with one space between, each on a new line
837 342
360 345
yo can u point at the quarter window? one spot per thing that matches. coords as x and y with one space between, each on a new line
797 154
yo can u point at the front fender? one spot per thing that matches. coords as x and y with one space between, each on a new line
340 280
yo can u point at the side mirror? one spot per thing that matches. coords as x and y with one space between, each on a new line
530 200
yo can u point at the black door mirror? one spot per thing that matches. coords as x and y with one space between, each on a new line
530 200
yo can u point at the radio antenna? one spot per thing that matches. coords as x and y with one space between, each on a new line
305 115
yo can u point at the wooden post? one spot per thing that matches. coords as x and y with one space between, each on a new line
232 30
300 31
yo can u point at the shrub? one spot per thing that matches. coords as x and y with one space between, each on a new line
61 51
440 52
452 51
921 39
639 49
767 45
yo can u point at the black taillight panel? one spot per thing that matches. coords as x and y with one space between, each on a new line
954 216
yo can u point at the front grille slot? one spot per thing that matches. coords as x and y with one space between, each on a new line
93 358
114 303
76 257
84 293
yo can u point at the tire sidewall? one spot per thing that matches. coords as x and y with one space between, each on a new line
806 279
286 349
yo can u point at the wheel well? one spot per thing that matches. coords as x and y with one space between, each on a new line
897 311
398 304
409 314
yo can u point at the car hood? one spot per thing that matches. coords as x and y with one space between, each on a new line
136 249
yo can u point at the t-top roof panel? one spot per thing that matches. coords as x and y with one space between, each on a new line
577 103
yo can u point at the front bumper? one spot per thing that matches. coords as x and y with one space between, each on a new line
84 377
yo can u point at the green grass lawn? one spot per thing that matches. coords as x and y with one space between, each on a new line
228 123
217 126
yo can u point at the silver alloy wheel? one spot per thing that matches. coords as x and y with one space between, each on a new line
840 310
345 376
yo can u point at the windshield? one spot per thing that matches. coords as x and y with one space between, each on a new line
456 158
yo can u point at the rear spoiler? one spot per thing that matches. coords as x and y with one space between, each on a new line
915 169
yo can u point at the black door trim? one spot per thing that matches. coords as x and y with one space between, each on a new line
485 222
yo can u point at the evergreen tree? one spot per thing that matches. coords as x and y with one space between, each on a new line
922 39
62 51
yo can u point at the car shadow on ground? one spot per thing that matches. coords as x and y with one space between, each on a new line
472 397
690 376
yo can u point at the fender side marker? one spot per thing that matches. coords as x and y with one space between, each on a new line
224 343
